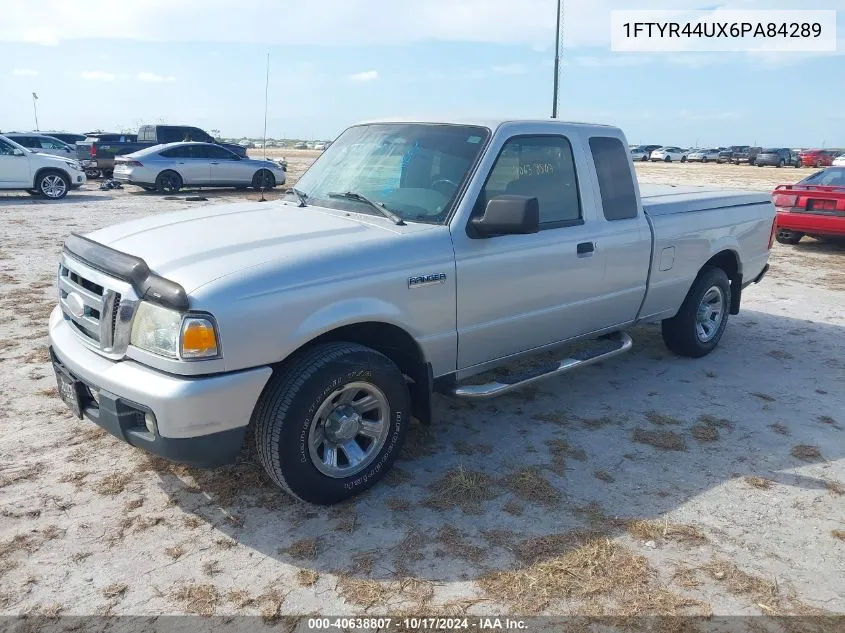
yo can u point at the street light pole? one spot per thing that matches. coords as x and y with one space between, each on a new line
557 63
35 109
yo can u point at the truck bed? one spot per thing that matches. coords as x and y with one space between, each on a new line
687 223
670 199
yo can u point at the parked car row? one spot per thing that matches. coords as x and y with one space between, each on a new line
737 154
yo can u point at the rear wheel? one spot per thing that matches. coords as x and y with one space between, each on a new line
788 237
697 328
331 423
52 185
263 180
668 159
92 173
168 182
703 159
781 163
683 159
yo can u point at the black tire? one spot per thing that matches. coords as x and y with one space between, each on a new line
92 173
683 159
263 180
788 237
703 159
668 159
52 184
168 181
818 164
680 332
781 163
644 158
286 411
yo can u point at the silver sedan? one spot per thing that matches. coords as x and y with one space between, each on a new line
169 167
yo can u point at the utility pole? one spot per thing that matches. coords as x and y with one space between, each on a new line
557 63
35 109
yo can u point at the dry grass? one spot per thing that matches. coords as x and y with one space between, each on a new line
826 419
660 418
554 417
513 508
763 396
664 440
461 488
835 487
465 448
806 452
112 484
562 448
198 599
397 477
665 531
76 478
398 504
596 567
840 534
529 485
39 355
780 429
115 589
739 582
759 482
704 432
175 552
363 591
305 549
24 473
603 475
307 577
597 423
452 540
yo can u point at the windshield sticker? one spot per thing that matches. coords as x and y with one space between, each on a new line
474 139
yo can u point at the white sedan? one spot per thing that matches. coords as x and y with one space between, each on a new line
668 154
638 154
703 155
839 161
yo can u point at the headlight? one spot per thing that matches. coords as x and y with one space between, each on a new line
172 334
156 329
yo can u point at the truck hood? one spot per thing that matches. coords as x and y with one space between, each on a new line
197 246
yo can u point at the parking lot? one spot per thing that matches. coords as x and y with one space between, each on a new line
647 484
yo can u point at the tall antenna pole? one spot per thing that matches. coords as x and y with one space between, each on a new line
266 91
557 63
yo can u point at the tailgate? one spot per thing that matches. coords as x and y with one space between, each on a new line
83 150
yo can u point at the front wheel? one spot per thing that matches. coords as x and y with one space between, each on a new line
263 180
697 328
53 185
683 159
703 159
331 423
668 159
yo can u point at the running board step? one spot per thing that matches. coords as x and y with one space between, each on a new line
605 348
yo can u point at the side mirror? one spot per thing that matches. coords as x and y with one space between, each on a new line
508 215
67 149
17 152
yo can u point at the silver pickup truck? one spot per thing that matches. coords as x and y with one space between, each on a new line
411 258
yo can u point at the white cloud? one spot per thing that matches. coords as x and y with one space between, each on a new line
154 78
362 77
25 72
510 69
97 75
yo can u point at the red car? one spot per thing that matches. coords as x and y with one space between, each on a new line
817 158
814 207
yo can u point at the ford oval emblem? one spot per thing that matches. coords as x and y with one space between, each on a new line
75 304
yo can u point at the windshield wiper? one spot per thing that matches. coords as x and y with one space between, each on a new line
301 196
378 206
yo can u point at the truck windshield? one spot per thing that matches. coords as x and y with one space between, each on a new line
413 169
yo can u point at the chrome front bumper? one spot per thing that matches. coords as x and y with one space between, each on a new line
184 407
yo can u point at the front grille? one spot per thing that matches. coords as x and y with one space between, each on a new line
90 308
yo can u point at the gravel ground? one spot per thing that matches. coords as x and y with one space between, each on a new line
649 484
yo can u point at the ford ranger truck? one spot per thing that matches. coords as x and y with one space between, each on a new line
411 258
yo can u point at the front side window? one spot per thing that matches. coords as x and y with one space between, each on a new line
415 170
218 153
541 167
6 149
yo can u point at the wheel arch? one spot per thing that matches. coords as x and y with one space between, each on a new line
41 171
394 342
728 260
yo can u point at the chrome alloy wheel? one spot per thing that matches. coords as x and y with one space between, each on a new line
349 429
53 186
711 312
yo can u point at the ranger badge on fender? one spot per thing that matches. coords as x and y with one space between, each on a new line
421 281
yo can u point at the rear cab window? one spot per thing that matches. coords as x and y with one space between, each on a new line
616 182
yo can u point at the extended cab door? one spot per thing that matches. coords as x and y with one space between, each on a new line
517 293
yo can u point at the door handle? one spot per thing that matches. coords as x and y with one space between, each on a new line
214 163
585 249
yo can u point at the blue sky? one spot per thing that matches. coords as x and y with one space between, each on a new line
335 62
